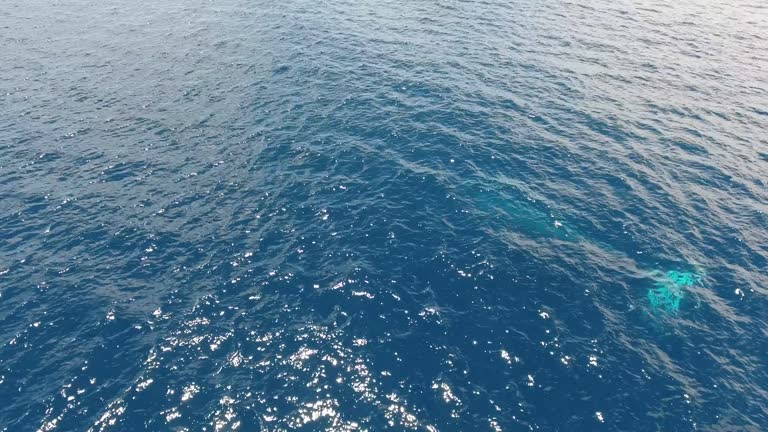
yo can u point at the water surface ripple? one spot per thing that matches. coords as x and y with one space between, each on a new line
382 215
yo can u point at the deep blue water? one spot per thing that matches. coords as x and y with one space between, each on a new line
383 215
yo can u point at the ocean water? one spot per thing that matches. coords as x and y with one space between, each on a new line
384 215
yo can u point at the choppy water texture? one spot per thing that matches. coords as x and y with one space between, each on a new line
383 215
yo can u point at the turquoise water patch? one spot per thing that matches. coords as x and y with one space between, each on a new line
670 290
